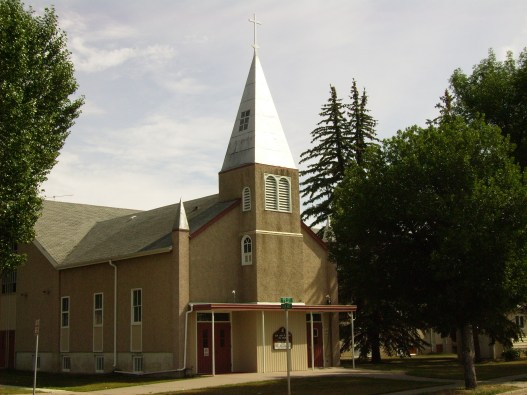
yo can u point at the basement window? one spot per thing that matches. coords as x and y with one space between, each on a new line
66 363
99 364
137 362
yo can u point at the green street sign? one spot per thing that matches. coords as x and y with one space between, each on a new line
286 303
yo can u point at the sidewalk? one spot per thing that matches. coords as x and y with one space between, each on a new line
239 378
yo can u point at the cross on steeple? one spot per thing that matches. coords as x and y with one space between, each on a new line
255 45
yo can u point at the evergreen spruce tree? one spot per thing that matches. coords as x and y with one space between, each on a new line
446 110
327 160
362 124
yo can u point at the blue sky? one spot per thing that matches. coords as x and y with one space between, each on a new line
163 79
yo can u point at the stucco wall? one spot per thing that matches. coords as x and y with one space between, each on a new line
215 267
280 267
37 298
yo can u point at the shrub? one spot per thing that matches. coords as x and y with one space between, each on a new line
512 354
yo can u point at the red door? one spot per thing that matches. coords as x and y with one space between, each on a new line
222 345
7 349
317 345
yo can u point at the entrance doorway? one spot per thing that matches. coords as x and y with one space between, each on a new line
222 346
318 347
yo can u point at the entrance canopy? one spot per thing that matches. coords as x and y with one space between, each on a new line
323 308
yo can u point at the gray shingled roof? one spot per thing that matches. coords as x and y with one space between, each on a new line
73 234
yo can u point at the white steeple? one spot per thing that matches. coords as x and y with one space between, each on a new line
181 221
257 135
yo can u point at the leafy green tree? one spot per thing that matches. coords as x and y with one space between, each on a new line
440 215
362 124
367 260
36 112
327 160
497 90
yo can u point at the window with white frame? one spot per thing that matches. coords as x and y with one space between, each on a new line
98 309
65 312
137 363
66 363
9 282
277 193
137 305
246 199
284 194
520 321
247 250
99 364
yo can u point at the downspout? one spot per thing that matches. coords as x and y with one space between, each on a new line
114 314
186 338
191 310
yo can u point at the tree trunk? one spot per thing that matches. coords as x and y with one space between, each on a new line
467 344
375 347
477 348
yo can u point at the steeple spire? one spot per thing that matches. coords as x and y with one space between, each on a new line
257 135
181 221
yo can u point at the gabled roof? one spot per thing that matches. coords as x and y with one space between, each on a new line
262 140
77 234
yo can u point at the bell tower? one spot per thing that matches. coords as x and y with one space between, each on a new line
259 170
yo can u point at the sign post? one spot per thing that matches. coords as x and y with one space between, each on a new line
37 331
287 304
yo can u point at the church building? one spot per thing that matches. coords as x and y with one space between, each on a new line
194 286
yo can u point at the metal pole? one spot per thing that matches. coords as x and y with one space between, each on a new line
353 340
263 341
312 344
213 348
35 367
288 349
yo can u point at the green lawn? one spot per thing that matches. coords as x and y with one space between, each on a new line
324 385
444 367
73 382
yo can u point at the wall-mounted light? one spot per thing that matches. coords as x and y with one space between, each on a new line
23 294
46 291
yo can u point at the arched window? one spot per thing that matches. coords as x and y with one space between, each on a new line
246 199
247 250
277 193
271 201
284 195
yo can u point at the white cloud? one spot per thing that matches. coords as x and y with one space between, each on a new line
185 85
91 59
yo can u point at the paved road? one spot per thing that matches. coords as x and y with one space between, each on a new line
239 378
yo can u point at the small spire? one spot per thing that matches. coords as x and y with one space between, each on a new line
327 236
255 45
181 222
